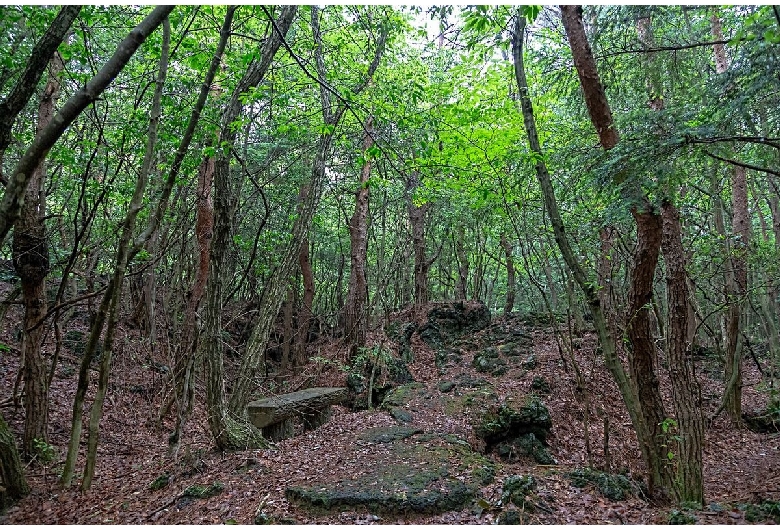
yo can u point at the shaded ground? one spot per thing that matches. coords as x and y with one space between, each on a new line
137 484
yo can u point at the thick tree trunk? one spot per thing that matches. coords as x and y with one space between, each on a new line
642 350
355 318
649 414
686 391
31 260
510 274
13 485
687 483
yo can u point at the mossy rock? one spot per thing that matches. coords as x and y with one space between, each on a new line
400 415
426 474
388 434
512 420
445 386
524 445
613 487
516 488
489 361
681 517
402 395
539 384
511 517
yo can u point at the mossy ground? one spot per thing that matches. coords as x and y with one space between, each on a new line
424 473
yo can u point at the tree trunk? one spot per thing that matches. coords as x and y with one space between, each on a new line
606 340
355 322
736 295
686 391
184 366
510 274
642 351
31 260
25 87
305 312
649 413
13 485
736 279
417 215
463 263
110 302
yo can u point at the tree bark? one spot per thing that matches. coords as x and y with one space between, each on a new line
355 318
736 279
11 204
417 216
463 263
686 391
510 274
13 485
31 260
592 89
305 312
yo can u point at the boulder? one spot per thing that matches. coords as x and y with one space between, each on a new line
508 428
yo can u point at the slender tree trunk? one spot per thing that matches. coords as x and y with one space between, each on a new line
110 302
417 216
227 433
23 90
648 226
305 313
355 322
463 263
736 295
736 278
31 260
510 274
184 366
606 340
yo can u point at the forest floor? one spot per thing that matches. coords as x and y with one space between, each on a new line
741 468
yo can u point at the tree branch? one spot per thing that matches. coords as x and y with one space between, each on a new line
11 204
742 164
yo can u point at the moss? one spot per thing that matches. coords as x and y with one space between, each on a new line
613 487
402 395
423 478
761 512
160 482
681 517
516 488
203 492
